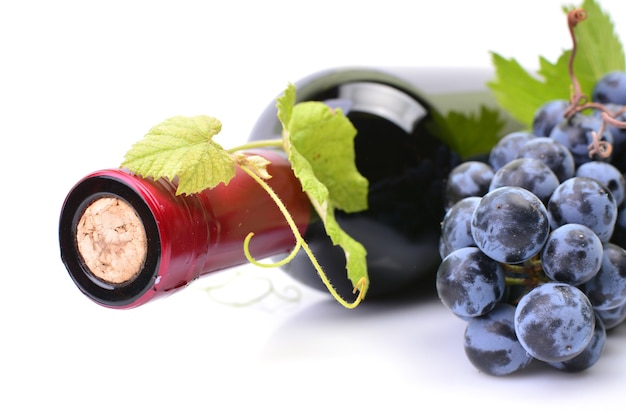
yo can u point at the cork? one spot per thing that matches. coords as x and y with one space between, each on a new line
111 240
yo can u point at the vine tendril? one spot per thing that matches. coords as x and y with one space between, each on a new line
300 243
284 261
573 18
580 102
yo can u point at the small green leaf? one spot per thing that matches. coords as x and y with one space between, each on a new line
182 148
599 51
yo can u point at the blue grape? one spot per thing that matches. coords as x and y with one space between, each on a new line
530 174
510 224
469 283
608 175
455 228
547 116
619 231
443 251
552 153
506 149
491 344
575 133
468 179
584 201
554 322
610 88
589 356
612 317
607 289
572 254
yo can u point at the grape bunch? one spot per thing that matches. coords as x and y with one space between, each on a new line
532 240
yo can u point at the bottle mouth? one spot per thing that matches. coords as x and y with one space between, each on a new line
383 101
109 241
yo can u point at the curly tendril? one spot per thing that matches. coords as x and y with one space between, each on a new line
300 244
576 16
285 261
599 147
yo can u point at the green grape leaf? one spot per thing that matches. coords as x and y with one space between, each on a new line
469 134
320 146
519 92
599 51
325 137
183 148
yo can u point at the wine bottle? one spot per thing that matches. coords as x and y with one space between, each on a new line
126 240
399 149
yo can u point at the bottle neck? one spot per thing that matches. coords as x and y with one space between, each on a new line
126 240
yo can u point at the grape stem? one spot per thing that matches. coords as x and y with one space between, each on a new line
573 18
528 274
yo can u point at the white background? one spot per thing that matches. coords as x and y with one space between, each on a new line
80 81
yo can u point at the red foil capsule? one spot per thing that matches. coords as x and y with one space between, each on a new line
176 238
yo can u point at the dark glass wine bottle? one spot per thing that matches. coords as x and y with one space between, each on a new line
399 149
126 240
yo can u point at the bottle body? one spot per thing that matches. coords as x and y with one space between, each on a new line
404 160
126 240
